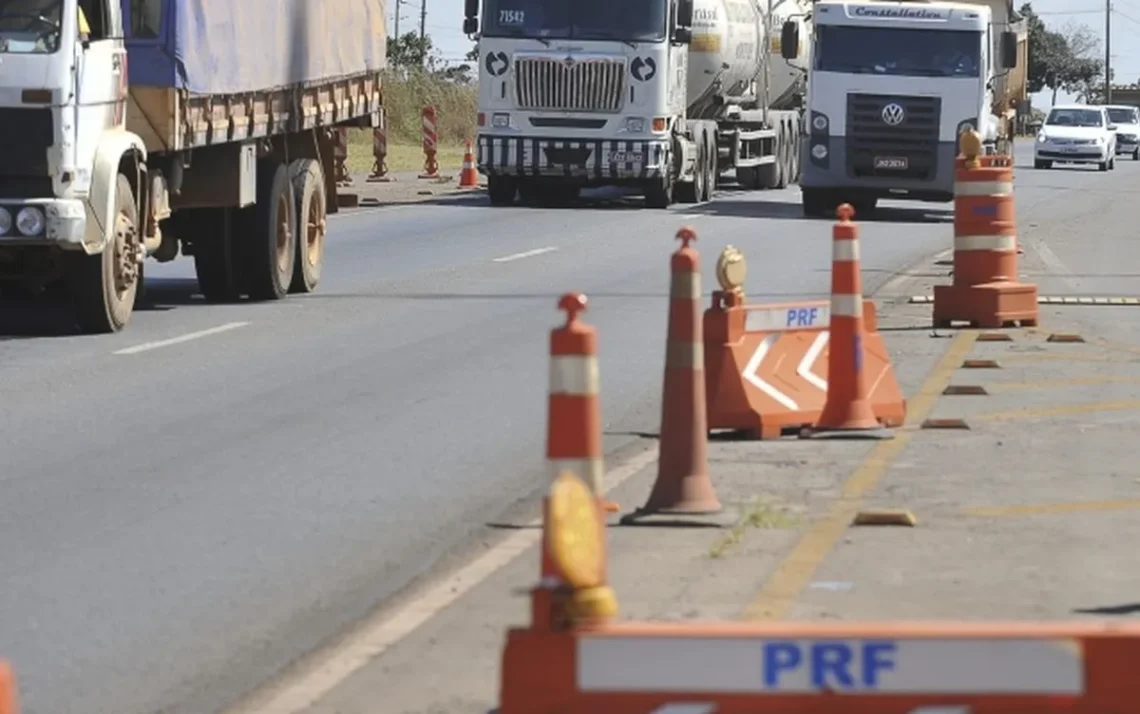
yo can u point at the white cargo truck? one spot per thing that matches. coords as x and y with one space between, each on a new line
661 95
892 86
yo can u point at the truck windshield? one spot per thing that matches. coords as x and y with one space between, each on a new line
30 26
1123 115
626 20
897 51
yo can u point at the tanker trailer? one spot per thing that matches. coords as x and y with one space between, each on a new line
661 95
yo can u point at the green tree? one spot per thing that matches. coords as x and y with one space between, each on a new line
1062 60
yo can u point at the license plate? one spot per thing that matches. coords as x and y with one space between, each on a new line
622 157
1070 149
892 163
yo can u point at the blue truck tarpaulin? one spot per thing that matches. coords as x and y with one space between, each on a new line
236 46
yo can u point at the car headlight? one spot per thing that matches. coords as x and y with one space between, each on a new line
501 120
5 221
30 221
1041 138
635 125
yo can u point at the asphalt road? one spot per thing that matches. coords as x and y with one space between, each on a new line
180 521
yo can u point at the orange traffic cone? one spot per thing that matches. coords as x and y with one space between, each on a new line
8 704
847 411
683 484
468 177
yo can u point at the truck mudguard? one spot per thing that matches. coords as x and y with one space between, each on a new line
101 201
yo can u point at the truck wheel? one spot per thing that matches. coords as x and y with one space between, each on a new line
783 157
659 192
312 222
501 190
215 262
693 192
272 240
712 163
104 286
1136 155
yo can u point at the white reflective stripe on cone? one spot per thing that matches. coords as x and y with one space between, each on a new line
845 250
574 375
969 243
685 355
589 470
846 305
983 188
685 286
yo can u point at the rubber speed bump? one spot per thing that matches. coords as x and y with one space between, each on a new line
965 390
1065 338
945 424
995 337
981 364
885 517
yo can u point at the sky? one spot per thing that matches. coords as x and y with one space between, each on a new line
445 20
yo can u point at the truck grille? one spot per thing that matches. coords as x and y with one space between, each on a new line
27 134
915 139
587 85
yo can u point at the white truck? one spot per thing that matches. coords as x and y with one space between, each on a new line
660 95
892 86
152 127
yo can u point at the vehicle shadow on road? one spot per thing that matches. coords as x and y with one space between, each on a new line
782 209
552 296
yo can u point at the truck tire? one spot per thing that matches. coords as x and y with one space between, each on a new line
312 222
784 156
103 286
215 261
693 191
271 241
712 163
501 190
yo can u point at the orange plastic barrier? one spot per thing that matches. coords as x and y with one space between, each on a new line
766 366
985 292
817 668
8 700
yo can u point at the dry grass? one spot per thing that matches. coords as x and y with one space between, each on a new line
404 97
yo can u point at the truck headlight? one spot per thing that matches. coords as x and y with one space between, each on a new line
966 125
635 125
819 122
5 221
819 151
501 120
30 221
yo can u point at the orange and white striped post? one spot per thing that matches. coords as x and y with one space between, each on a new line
985 292
340 156
683 484
431 142
847 411
380 156
8 699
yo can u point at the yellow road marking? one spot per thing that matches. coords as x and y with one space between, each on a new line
1063 410
793 574
1049 509
1049 383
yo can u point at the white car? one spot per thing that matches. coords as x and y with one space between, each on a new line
1127 121
1076 134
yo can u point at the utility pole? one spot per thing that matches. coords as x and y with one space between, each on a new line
397 30
1108 51
423 30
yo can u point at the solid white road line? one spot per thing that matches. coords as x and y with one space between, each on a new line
159 344
374 636
524 254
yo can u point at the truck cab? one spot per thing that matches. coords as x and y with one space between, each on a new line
70 172
892 86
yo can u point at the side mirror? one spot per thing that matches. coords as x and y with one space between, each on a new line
470 25
685 13
790 40
1111 127
471 8
1008 50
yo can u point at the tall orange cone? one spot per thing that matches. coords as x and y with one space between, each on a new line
468 177
847 411
683 485
8 704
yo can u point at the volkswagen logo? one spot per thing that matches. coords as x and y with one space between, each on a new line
893 114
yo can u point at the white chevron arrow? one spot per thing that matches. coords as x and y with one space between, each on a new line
804 369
